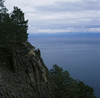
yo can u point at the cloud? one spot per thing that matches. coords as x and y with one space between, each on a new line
65 6
59 16
68 30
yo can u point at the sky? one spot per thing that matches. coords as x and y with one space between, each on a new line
59 16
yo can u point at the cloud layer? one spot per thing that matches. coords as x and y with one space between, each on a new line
60 16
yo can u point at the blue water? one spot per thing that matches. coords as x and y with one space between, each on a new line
78 55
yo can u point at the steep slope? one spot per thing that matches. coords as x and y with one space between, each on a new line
24 74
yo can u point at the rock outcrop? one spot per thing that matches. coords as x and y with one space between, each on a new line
23 74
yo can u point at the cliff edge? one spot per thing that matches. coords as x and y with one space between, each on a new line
23 74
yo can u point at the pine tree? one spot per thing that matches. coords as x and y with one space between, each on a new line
19 24
3 14
68 87
3 9
13 27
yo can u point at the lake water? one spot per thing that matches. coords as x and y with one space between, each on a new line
78 55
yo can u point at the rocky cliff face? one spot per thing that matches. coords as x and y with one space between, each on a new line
24 74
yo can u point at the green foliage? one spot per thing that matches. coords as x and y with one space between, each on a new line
68 87
85 91
19 25
3 23
3 9
13 27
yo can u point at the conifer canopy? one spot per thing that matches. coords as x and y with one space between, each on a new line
13 26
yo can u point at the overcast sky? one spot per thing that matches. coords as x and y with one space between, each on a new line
59 16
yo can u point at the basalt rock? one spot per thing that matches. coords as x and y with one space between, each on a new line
23 74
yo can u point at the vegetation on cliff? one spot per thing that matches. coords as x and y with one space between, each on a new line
69 87
13 30
13 26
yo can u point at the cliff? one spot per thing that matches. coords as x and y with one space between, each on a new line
23 74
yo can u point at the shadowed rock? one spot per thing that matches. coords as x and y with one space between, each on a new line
24 75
